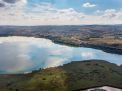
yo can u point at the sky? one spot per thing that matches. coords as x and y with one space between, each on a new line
60 12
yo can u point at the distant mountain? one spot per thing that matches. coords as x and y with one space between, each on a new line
88 30
76 76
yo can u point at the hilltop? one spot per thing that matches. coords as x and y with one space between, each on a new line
72 76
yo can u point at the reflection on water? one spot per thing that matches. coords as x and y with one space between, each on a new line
23 54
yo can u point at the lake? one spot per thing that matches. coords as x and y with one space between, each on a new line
25 54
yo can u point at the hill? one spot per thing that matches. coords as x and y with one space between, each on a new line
73 76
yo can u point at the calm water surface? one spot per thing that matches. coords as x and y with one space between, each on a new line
24 54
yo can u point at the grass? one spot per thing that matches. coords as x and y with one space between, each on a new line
72 76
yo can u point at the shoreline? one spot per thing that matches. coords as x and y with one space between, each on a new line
61 68
104 48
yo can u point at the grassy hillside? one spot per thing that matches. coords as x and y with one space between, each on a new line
72 76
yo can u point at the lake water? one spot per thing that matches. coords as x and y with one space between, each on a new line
24 54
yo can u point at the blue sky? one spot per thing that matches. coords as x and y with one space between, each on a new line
61 11
77 4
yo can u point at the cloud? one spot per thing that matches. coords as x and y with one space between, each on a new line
2 4
88 55
15 1
44 13
20 13
54 61
11 65
24 1
110 14
110 10
88 5
10 1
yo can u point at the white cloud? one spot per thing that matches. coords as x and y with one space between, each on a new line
39 14
111 15
88 5
54 61
110 11
88 55
24 1
46 14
